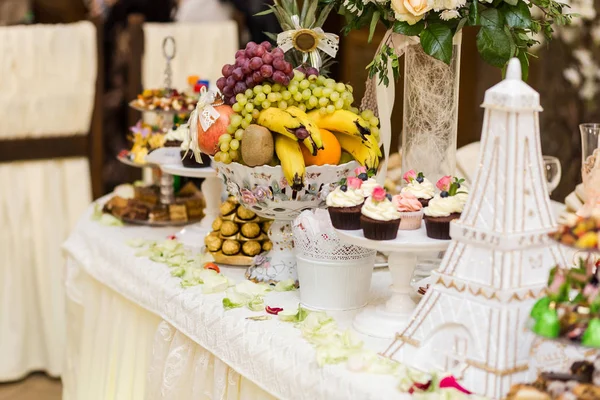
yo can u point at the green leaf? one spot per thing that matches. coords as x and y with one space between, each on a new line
491 18
522 56
324 14
517 16
494 46
373 26
436 40
512 2
266 12
310 17
473 18
409 30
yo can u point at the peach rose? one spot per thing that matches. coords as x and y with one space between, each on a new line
410 11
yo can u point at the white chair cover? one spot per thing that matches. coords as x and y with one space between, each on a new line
202 49
467 159
48 85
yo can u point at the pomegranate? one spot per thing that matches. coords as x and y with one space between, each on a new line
208 140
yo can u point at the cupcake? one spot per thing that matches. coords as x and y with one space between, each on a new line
419 186
187 155
344 205
380 219
411 211
368 183
176 136
443 208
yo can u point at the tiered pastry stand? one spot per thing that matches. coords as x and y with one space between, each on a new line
385 320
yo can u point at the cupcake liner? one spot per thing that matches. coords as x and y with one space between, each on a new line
379 230
410 220
439 227
345 218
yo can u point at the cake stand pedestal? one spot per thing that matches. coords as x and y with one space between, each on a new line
193 235
385 320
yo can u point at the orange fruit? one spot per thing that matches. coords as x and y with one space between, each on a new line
330 154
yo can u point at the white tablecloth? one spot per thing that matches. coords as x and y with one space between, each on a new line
135 333
119 303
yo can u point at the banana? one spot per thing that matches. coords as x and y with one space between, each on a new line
374 143
279 121
342 121
289 154
364 152
314 142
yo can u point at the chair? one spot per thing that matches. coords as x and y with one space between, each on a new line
50 165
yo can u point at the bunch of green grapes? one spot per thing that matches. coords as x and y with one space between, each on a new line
373 121
306 93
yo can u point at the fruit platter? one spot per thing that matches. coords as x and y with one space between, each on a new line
282 136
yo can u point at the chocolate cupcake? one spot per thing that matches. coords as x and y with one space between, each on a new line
444 208
379 218
176 136
419 186
189 160
344 205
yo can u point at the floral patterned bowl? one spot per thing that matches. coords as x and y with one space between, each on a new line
265 190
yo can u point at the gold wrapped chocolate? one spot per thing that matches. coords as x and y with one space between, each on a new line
213 243
250 230
251 248
230 247
229 228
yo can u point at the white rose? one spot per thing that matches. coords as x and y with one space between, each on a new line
447 15
410 11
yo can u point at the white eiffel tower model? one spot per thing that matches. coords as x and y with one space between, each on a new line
472 320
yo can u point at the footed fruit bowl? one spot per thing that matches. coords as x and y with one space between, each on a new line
265 191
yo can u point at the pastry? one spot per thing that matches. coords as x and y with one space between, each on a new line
244 213
344 204
250 230
116 205
380 219
158 214
227 208
194 206
213 243
146 194
126 191
229 228
217 223
176 136
177 212
135 211
230 247
166 100
251 248
267 246
189 189
411 211
419 186
444 208
266 226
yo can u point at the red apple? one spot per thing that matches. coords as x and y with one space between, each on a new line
208 140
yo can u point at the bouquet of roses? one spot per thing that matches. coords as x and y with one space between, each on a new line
507 27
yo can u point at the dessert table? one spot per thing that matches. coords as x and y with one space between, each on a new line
133 332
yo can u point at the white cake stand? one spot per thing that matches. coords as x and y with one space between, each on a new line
385 320
193 235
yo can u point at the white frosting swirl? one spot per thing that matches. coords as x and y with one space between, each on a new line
444 206
424 190
179 134
380 210
349 198
463 194
367 187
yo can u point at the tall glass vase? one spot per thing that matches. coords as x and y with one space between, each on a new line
430 112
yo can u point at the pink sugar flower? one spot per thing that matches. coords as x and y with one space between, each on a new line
410 176
360 170
354 183
378 193
444 183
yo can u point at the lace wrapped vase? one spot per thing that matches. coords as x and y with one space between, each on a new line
332 275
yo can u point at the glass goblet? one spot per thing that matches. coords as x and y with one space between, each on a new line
553 172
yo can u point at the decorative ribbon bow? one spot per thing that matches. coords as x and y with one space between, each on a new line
207 114
309 42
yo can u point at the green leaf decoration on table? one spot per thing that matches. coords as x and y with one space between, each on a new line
494 46
436 40
285 285
405 28
109 220
517 15
228 304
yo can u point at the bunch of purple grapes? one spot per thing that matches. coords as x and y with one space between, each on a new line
254 65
